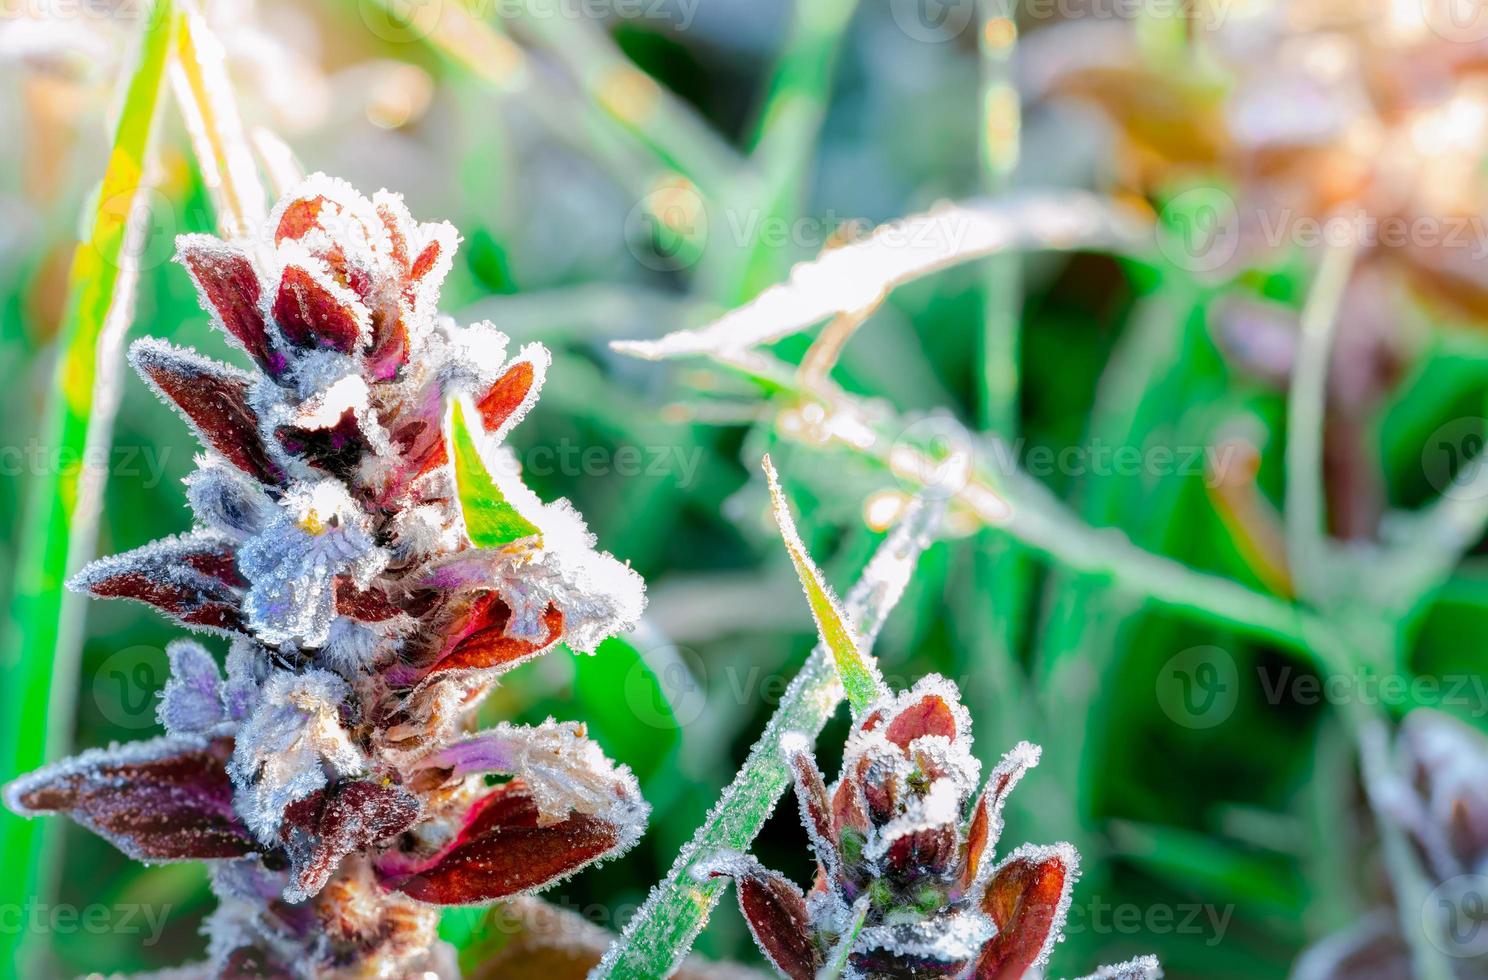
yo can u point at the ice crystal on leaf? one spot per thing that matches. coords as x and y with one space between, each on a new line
329 773
895 855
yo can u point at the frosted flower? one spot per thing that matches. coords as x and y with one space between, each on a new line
330 775
907 884
1440 794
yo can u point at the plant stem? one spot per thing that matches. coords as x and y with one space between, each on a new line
646 110
1015 502
784 144
1305 514
999 149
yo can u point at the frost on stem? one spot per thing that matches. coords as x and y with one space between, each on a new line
890 834
328 773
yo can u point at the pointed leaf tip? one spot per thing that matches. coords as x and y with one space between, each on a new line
490 520
859 671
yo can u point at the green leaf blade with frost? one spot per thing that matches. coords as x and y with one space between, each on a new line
855 276
657 939
860 675
58 524
490 519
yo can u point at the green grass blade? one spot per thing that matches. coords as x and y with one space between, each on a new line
784 142
659 936
205 95
490 520
860 675
1305 512
57 531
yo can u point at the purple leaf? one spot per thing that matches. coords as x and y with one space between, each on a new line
321 829
192 578
167 799
214 400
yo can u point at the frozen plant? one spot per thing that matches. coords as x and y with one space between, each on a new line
377 568
1439 794
906 884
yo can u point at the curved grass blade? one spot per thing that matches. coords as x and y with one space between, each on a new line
40 657
860 676
659 936
199 77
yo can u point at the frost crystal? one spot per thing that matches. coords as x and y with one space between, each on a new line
895 856
329 775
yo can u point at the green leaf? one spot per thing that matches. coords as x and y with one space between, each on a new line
860 676
490 521
40 657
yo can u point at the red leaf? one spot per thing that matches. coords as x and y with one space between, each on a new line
398 222
229 288
930 715
501 851
811 790
510 392
167 799
1027 899
426 261
299 217
480 641
310 315
213 399
321 829
921 854
366 605
849 809
986 819
193 579
777 916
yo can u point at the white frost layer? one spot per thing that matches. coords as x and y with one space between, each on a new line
286 750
